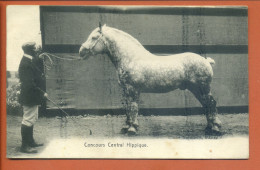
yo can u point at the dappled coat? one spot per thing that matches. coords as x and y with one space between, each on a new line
31 79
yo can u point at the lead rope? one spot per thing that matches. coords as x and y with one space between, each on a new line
63 123
49 55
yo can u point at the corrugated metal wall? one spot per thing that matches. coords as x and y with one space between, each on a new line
220 33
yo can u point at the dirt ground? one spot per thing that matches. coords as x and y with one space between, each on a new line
174 127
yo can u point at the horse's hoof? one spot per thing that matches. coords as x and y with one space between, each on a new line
213 131
136 126
131 131
217 122
125 129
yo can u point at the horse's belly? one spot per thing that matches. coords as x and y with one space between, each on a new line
161 81
159 89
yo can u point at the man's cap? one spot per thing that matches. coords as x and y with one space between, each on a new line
28 45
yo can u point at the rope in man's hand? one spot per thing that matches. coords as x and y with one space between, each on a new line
67 115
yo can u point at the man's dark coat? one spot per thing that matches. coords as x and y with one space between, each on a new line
31 79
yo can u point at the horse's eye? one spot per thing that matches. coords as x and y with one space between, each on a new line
94 38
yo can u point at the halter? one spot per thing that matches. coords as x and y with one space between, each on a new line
90 49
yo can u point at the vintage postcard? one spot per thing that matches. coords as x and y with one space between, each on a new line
127 82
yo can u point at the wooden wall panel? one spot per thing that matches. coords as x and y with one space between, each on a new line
74 28
92 84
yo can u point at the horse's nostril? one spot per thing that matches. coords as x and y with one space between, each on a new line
82 52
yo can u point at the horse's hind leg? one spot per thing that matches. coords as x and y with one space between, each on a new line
128 118
133 118
202 93
214 124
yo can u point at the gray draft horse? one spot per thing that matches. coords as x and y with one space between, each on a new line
141 71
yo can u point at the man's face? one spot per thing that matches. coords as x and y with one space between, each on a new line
38 50
32 51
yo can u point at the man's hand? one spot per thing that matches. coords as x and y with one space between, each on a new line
45 95
41 56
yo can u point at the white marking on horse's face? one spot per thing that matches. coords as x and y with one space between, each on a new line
93 46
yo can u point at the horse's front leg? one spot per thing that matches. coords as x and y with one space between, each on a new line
131 97
131 118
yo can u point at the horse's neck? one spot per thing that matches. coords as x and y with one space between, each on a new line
123 47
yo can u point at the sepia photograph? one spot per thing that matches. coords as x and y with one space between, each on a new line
127 82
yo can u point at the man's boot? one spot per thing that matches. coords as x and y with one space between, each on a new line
32 142
25 132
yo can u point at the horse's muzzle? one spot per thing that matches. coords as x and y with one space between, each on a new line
83 52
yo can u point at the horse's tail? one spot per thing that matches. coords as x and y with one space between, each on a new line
210 60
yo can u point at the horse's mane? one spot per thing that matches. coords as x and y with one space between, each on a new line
130 39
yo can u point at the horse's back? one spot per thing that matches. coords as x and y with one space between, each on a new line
195 67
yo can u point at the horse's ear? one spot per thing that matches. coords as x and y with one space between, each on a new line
100 27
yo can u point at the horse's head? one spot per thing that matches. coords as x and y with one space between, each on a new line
94 45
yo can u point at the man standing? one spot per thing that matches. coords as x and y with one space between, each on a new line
31 79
